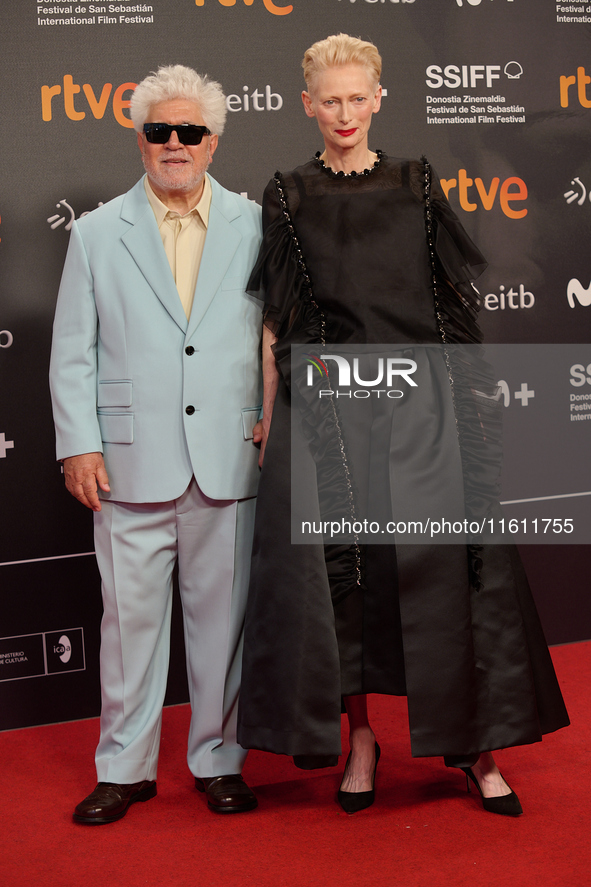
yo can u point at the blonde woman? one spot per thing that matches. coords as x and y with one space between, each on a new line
363 249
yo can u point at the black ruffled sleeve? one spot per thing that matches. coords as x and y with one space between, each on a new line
460 258
276 278
457 263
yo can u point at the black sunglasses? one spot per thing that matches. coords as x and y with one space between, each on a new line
187 133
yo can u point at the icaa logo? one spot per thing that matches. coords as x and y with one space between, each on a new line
63 648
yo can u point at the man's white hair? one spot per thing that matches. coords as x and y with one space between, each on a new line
179 82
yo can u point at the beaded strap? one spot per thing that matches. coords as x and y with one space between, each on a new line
431 246
299 256
434 281
301 263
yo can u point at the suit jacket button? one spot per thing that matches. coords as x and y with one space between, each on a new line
189 350
189 410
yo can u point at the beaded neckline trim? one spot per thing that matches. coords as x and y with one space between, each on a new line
348 175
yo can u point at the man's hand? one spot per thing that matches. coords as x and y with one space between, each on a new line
83 473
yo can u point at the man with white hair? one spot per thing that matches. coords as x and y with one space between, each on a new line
156 394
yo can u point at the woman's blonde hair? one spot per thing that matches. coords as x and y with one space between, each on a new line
341 49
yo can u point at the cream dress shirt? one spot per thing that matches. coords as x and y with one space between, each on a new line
183 238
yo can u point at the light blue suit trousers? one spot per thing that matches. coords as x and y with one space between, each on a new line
136 547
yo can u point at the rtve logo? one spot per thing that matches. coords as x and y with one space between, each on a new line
512 190
96 105
268 4
581 79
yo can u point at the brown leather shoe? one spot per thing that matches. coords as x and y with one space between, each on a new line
109 801
227 794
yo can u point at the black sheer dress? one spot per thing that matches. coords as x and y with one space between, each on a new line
379 258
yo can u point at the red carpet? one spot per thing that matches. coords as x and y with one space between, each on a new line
423 831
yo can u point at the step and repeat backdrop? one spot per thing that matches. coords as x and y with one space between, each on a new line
496 93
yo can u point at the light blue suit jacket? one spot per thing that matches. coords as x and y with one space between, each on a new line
126 364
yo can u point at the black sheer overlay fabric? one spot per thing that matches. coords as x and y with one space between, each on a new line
381 258
340 224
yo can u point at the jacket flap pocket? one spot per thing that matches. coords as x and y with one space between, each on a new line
115 394
250 417
116 427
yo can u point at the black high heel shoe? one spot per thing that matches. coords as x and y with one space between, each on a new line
506 805
353 802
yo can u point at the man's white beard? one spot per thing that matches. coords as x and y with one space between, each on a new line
172 179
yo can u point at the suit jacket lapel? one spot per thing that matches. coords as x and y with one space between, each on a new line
221 243
144 244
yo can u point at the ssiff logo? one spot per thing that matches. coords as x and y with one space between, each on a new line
470 76
271 7
580 375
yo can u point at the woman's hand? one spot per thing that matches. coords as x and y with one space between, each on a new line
270 383
260 436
